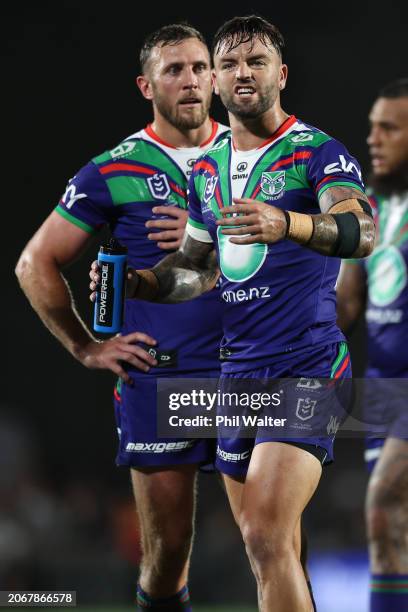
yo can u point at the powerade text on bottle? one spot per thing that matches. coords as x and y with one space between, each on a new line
108 313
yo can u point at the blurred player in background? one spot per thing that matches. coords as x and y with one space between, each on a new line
379 285
139 189
300 206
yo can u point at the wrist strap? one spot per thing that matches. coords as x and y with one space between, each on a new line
299 227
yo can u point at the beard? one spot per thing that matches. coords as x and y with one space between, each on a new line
182 121
393 182
266 100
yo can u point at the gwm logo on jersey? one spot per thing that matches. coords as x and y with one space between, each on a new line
159 186
210 186
387 275
273 184
239 262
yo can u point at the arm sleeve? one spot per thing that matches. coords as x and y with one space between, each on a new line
196 227
86 202
331 165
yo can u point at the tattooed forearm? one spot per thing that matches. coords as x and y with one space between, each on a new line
324 235
179 277
344 229
182 279
367 235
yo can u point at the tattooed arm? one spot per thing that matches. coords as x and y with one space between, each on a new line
330 233
325 229
181 276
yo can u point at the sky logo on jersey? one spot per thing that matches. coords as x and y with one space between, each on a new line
273 184
71 196
159 186
210 186
343 166
239 262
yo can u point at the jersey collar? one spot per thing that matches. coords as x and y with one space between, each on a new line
285 127
150 132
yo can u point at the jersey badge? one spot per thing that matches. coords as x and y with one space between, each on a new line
159 186
273 184
305 408
210 186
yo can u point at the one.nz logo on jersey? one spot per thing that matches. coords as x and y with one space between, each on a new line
273 185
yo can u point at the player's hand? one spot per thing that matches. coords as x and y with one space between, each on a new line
132 281
112 353
172 230
255 222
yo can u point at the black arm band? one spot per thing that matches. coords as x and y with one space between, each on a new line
348 238
366 207
287 217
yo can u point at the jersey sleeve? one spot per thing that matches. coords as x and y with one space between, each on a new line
196 227
331 165
86 202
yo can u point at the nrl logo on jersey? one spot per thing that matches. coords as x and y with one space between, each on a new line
273 184
210 185
159 186
305 408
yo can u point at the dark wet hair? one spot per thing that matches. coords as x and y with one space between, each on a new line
167 35
247 29
395 89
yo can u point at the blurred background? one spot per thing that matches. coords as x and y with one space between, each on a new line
67 519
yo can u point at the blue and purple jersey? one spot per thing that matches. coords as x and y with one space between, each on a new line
387 289
119 188
278 298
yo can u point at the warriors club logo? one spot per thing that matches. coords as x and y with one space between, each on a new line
273 184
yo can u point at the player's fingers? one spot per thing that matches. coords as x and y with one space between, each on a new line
238 208
94 266
139 337
247 240
236 221
245 201
173 211
94 276
241 231
166 235
163 223
169 245
117 369
92 297
139 353
140 364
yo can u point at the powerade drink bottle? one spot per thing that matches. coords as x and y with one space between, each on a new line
110 296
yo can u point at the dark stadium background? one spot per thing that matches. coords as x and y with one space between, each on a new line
68 92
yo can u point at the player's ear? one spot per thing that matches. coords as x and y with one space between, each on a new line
214 82
145 86
283 75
